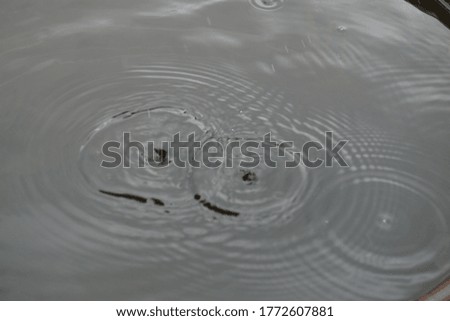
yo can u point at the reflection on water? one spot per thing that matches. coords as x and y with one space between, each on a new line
77 74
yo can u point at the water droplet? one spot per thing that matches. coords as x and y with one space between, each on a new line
267 4
385 221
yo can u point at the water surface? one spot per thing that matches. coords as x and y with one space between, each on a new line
74 74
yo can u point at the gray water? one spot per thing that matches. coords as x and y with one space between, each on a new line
74 74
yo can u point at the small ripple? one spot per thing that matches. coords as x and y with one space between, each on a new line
267 4
262 195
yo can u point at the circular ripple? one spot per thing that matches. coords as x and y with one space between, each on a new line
147 172
267 4
258 189
378 223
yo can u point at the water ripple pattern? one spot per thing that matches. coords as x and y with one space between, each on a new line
267 4
74 76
